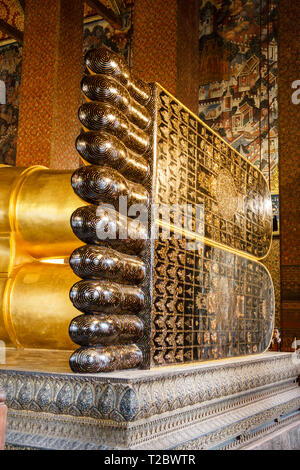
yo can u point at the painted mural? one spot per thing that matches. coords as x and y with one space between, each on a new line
238 77
96 33
10 75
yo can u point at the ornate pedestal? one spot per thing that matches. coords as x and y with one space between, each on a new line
225 404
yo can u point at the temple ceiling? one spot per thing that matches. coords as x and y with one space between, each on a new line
12 15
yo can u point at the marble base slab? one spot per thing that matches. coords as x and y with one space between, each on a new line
218 404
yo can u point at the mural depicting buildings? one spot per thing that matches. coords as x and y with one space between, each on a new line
238 77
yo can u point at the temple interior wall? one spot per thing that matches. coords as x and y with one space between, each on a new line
229 77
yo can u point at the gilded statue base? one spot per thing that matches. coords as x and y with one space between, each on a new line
224 404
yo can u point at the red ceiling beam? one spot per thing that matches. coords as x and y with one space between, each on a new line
11 31
106 13
118 6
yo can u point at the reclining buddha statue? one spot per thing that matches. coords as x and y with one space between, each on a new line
163 225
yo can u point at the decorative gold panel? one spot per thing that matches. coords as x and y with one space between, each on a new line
208 303
194 166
